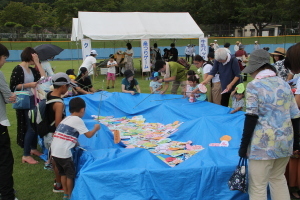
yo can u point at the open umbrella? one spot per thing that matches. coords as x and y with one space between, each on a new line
47 51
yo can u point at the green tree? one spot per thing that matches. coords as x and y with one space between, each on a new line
68 9
18 13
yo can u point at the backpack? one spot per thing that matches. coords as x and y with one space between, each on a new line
158 55
39 119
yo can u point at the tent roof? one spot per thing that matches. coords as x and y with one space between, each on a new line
74 29
136 25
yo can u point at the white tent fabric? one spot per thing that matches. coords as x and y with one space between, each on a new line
136 25
74 29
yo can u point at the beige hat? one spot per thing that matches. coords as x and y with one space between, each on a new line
279 51
237 42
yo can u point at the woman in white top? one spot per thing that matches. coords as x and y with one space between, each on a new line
90 63
200 63
129 58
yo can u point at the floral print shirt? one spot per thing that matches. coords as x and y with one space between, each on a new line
272 100
282 72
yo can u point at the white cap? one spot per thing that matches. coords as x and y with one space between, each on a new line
94 52
255 41
215 40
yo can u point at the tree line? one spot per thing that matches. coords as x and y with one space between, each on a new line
38 14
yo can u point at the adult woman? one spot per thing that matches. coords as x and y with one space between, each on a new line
271 115
292 62
6 156
129 58
25 77
84 83
173 72
278 58
206 67
90 63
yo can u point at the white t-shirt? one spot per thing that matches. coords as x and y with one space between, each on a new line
129 52
154 85
206 69
113 68
65 136
47 67
88 64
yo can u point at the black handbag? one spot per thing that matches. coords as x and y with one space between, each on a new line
238 180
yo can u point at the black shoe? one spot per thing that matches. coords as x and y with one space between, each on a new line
113 87
107 87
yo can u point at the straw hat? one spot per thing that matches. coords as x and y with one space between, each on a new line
279 51
237 42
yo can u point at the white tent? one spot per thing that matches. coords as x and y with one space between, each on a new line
74 29
135 25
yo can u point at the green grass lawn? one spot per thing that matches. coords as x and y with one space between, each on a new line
32 182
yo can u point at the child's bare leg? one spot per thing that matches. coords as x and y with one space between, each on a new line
56 172
65 185
113 83
70 185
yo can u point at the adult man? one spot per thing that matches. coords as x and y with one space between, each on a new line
256 46
173 53
187 52
216 45
90 63
236 46
173 72
229 71
6 156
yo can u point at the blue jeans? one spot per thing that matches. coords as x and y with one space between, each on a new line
30 140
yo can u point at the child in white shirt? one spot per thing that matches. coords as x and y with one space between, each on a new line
155 86
111 72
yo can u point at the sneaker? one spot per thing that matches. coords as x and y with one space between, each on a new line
107 87
58 189
48 166
113 87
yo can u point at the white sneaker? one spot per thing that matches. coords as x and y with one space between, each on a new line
16 198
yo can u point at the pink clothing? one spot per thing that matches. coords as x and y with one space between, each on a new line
111 76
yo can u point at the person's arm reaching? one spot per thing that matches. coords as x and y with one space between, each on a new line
92 132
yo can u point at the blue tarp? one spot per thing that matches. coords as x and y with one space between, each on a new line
108 171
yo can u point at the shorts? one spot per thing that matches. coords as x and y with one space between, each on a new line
65 167
111 76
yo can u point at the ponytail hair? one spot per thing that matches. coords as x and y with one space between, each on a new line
193 78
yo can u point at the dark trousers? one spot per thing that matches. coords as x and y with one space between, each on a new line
225 99
187 57
6 166
30 140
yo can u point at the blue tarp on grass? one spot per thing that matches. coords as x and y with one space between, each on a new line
108 171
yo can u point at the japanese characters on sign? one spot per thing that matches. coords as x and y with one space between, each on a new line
145 55
203 48
86 48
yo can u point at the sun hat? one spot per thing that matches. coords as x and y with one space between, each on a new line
257 59
240 88
279 51
60 78
255 41
128 73
94 52
237 42
215 40
241 46
154 75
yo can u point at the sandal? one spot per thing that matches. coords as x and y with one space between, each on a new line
35 152
293 196
29 160
66 197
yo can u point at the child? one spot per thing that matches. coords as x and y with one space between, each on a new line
237 96
65 138
155 86
111 72
194 90
61 83
129 83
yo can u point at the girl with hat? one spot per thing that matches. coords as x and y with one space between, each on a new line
268 137
278 58
129 83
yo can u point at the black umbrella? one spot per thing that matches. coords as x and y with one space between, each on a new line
47 51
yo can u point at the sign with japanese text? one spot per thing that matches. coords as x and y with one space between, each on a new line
203 48
86 48
145 44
